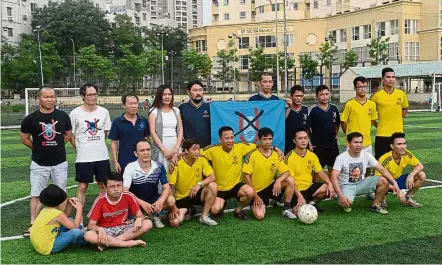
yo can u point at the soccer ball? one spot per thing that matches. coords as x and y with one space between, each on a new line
307 214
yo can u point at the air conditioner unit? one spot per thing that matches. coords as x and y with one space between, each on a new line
25 17
10 18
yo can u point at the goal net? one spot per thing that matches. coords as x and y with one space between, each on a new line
67 99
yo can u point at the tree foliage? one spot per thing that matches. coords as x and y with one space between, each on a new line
309 66
198 65
378 50
327 54
350 59
94 67
226 57
125 33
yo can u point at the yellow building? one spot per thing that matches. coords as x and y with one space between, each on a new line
414 29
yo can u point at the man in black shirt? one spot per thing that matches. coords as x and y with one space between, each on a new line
323 123
50 129
295 116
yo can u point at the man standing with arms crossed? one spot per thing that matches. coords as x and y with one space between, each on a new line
50 129
125 131
392 106
196 115
90 125
295 116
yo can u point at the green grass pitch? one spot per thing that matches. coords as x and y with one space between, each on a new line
403 236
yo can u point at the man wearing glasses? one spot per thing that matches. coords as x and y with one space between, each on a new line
90 126
359 112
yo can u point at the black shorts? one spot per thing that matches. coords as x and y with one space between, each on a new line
189 202
266 194
308 193
232 193
85 172
381 146
326 156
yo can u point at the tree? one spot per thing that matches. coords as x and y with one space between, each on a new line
309 67
174 39
198 65
327 54
227 57
378 48
350 59
259 62
132 68
79 20
95 67
126 33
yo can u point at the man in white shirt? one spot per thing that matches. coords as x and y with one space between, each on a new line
90 126
348 176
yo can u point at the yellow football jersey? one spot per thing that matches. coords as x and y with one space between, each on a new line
302 168
396 170
227 165
263 169
389 107
185 176
358 118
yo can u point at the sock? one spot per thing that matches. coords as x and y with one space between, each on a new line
287 206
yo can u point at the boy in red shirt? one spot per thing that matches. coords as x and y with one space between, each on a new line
109 222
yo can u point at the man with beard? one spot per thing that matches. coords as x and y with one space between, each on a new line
196 115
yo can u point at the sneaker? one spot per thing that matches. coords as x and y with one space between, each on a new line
241 215
378 209
207 221
347 210
384 204
412 203
371 196
276 203
190 213
156 220
289 214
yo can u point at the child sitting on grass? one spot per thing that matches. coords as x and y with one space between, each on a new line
53 230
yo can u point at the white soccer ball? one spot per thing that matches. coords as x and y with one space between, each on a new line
307 214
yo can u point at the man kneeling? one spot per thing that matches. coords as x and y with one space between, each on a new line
350 167
142 178
188 185
109 225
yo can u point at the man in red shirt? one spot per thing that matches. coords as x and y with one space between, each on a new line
109 223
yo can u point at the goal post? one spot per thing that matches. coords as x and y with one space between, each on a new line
67 99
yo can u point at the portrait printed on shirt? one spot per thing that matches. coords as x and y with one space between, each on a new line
356 172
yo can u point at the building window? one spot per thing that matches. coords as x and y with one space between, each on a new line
226 2
328 2
137 19
315 4
265 41
274 7
363 53
226 16
260 9
9 11
204 45
394 26
411 26
242 1
33 7
144 16
343 34
144 3
295 6
355 33
411 51
380 29
367 31
244 62
290 40
441 49
242 15
441 18
215 18
333 34
97 5
10 32
393 51
153 3
244 42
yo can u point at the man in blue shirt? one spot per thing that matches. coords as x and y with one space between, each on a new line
142 178
295 116
266 85
196 115
125 131
323 123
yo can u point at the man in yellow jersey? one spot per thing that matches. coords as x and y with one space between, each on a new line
227 161
188 184
260 170
392 106
359 112
302 163
396 161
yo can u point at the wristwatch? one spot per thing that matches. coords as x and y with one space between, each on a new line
200 183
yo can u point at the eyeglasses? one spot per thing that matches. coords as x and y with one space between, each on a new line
91 95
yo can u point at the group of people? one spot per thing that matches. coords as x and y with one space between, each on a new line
165 164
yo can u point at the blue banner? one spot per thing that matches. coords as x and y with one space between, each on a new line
246 118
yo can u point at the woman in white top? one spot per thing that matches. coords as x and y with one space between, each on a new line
166 129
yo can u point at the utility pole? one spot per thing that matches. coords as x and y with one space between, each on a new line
162 34
285 51
73 54
38 29
278 81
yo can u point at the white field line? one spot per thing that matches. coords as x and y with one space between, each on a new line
198 214
417 126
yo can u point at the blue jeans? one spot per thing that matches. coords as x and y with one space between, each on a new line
66 237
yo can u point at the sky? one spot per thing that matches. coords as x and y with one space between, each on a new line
207 11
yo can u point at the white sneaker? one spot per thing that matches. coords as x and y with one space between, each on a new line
157 222
207 221
289 214
276 203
